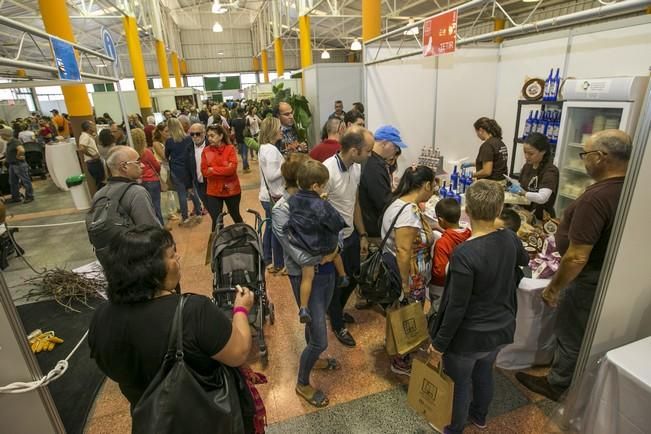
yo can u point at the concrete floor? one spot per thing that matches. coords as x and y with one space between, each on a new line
365 397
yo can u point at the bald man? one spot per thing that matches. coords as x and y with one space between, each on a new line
134 203
582 239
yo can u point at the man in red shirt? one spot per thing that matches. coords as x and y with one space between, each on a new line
334 128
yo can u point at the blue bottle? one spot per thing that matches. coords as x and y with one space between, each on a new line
443 192
527 125
534 123
556 85
454 179
548 85
541 123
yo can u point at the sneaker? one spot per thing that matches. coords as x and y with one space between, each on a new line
185 222
477 422
400 368
196 218
304 315
173 216
343 281
540 385
345 337
28 200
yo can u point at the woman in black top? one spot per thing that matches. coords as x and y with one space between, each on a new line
477 313
128 336
493 155
539 176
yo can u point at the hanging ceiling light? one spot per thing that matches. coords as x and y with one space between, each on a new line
356 45
325 55
217 27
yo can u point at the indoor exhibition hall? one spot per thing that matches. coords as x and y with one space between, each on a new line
325 216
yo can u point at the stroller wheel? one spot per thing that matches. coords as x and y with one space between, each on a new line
272 314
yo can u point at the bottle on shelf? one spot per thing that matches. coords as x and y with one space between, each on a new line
527 125
534 123
548 85
556 85
542 122
556 128
443 192
454 179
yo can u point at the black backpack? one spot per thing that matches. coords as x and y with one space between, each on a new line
106 218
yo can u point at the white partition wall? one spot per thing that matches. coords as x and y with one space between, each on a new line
402 93
108 102
324 83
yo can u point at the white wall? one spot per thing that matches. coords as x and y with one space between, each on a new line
401 93
107 102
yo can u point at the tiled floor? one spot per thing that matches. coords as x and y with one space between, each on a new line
365 397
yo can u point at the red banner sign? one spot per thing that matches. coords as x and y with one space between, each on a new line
440 34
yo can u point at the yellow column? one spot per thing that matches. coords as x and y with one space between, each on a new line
162 64
280 60
184 67
137 65
176 69
255 63
306 41
498 24
265 65
57 22
371 19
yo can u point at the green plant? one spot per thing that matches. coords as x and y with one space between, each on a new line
301 107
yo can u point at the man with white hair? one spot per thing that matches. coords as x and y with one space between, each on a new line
134 205
149 130
185 122
582 238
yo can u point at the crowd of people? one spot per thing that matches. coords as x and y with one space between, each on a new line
328 210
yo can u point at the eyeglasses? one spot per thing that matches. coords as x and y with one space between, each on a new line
133 162
196 134
287 114
583 154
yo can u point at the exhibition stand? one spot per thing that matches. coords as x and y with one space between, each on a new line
162 99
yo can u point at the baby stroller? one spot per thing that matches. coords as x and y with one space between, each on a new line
236 254
34 155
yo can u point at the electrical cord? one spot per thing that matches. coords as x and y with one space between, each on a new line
59 369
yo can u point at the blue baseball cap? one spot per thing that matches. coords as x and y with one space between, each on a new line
390 134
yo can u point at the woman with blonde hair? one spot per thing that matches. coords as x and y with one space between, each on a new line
150 169
176 150
272 188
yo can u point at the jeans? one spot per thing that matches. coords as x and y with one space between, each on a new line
96 170
244 152
181 190
153 188
473 386
200 189
271 247
215 206
572 316
351 260
316 333
19 174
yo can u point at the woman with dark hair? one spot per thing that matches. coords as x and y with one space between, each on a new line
219 168
493 155
538 176
106 142
129 335
408 246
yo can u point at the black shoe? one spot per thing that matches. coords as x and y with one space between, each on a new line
343 281
304 315
28 200
14 200
348 318
540 385
363 304
345 338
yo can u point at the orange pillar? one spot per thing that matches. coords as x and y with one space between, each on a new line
265 65
498 24
137 65
371 19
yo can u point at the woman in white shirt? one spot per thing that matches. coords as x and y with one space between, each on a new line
271 188
253 123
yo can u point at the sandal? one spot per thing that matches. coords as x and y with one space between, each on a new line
331 364
317 399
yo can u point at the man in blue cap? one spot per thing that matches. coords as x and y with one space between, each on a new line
375 184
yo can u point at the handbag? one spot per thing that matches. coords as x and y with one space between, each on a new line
377 281
180 400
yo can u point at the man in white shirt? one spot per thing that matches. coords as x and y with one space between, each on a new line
193 161
345 172
26 135
88 147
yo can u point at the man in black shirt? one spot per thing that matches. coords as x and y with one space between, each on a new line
238 124
18 168
375 183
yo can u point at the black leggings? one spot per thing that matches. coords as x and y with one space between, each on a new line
215 206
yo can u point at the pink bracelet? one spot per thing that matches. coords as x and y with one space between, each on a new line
240 309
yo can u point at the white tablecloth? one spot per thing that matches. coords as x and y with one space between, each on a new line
533 343
621 399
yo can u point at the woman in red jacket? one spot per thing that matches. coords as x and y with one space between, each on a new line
219 168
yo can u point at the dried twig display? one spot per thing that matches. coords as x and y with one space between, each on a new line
65 287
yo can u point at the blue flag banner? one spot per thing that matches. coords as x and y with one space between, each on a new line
65 60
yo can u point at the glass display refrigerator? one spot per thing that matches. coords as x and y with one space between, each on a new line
590 106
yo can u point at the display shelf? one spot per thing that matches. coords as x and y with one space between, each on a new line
575 170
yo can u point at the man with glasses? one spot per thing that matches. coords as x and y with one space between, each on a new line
134 203
193 162
334 128
289 142
582 239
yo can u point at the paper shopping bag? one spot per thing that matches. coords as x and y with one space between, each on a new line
430 393
408 327
390 343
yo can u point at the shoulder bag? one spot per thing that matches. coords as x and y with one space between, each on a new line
180 400
378 282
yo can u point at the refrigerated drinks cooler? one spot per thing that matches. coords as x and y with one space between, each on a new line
590 106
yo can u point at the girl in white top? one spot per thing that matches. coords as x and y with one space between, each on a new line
253 122
272 188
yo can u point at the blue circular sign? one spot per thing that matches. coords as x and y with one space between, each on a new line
109 47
